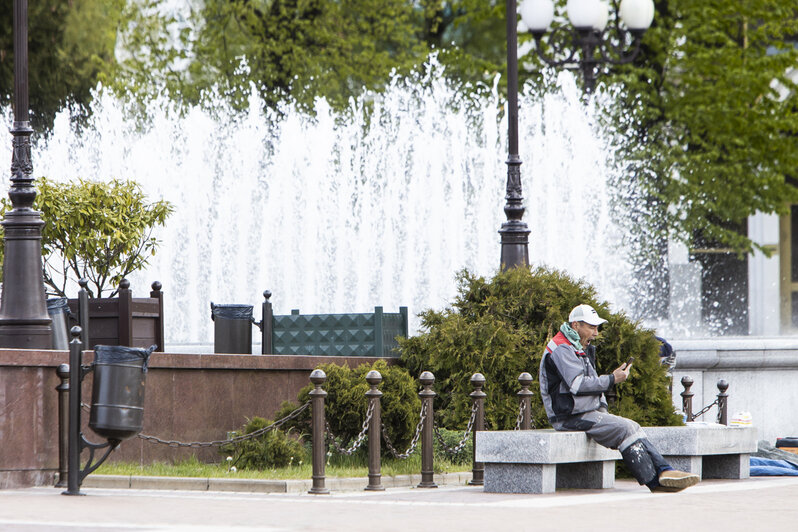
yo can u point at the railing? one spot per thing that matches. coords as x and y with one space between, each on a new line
364 334
722 402
375 432
123 320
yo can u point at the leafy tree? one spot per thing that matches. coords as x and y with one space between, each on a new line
500 328
715 116
299 48
100 231
469 35
70 46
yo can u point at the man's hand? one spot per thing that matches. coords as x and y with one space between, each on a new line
621 373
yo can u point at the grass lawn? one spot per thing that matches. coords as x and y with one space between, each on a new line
341 467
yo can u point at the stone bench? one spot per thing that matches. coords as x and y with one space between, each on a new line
706 449
541 461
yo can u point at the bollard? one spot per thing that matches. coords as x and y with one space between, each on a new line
63 424
156 293
723 402
267 325
525 400
427 395
125 301
317 395
374 379
74 447
478 399
687 398
83 313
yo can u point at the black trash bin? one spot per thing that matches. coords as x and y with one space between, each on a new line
117 395
232 328
58 310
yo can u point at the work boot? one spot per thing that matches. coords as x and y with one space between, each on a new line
675 480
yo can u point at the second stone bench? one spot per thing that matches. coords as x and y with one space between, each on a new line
540 461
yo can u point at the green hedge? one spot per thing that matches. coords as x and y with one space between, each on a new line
500 327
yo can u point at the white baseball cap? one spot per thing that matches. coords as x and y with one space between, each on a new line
587 314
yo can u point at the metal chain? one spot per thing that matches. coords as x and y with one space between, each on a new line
459 447
521 408
360 437
705 410
413 443
219 443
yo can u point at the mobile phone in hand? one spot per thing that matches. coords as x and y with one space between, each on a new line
629 362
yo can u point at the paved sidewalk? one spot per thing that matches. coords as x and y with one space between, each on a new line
742 505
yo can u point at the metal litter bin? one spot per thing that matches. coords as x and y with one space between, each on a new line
117 395
232 328
58 310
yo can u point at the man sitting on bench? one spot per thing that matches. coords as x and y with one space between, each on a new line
573 395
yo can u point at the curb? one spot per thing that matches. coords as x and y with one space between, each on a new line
248 485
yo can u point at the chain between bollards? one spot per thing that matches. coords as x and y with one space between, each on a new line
478 400
722 401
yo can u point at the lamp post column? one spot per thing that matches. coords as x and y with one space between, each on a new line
24 322
514 232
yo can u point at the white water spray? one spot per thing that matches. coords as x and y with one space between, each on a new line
344 211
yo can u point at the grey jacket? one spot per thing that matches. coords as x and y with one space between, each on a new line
569 383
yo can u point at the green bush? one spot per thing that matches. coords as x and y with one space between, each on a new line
346 403
275 448
452 438
500 327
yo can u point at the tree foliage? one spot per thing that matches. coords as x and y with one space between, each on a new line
715 115
93 230
709 106
70 46
500 327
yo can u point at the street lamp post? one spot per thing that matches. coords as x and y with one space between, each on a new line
590 46
514 232
587 44
24 322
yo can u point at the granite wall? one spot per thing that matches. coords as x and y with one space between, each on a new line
189 397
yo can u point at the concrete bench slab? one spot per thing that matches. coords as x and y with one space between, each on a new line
707 449
540 461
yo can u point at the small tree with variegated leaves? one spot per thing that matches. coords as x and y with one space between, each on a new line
100 231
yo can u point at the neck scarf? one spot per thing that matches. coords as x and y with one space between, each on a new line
572 336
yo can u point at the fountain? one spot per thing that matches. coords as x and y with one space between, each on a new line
382 204
342 211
